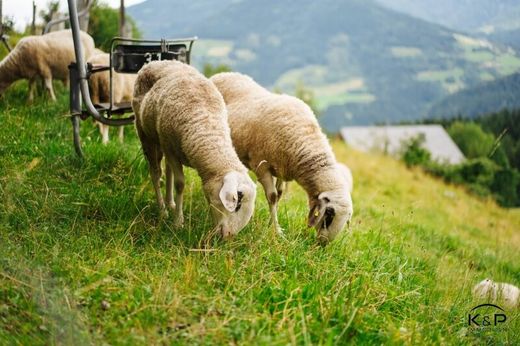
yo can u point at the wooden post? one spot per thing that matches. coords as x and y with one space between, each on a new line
122 31
83 20
1 20
33 25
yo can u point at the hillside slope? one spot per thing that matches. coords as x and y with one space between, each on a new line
365 63
85 258
466 15
503 93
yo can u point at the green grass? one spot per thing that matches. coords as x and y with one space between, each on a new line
406 52
451 80
85 258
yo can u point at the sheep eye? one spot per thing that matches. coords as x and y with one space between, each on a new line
239 203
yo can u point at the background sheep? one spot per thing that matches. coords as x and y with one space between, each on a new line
180 113
46 57
506 294
279 138
99 87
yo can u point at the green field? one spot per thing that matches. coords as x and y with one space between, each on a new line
85 258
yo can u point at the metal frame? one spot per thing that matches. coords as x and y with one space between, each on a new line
164 42
79 74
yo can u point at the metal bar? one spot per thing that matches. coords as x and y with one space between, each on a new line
75 106
82 72
172 40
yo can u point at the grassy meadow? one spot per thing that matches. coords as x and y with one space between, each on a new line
85 258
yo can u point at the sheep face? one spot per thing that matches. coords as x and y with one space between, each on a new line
232 201
329 213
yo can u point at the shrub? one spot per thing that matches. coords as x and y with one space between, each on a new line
104 25
209 70
505 185
414 153
471 139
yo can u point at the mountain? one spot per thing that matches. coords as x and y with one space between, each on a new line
503 93
365 63
465 15
508 37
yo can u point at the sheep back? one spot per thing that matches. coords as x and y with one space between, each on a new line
279 129
177 106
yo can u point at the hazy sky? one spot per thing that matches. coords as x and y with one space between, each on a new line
21 10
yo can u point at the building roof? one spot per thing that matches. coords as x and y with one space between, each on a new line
389 139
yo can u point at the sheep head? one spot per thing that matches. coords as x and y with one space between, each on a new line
329 212
232 200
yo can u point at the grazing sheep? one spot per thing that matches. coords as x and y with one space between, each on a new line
46 57
279 138
507 294
347 175
99 88
282 186
180 113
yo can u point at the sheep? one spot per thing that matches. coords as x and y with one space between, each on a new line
507 294
181 115
347 175
99 88
281 186
46 57
279 138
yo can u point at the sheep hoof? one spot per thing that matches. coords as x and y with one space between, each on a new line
279 231
178 221
171 206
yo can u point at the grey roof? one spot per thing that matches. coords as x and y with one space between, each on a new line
389 139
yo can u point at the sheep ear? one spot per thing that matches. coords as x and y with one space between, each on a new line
317 210
229 192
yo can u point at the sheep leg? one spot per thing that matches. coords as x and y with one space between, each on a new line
48 86
178 175
170 204
32 87
121 134
153 155
281 187
267 181
103 130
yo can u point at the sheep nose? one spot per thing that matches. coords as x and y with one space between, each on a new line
225 232
322 239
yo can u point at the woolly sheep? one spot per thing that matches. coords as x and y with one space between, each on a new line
507 294
347 175
99 88
46 57
180 113
279 138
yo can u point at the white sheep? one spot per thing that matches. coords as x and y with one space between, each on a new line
180 113
506 294
279 138
46 57
99 88
347 175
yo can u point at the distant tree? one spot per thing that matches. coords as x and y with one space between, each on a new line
471 139
505 125
104 25
414 153
50 11
209 69
7 25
